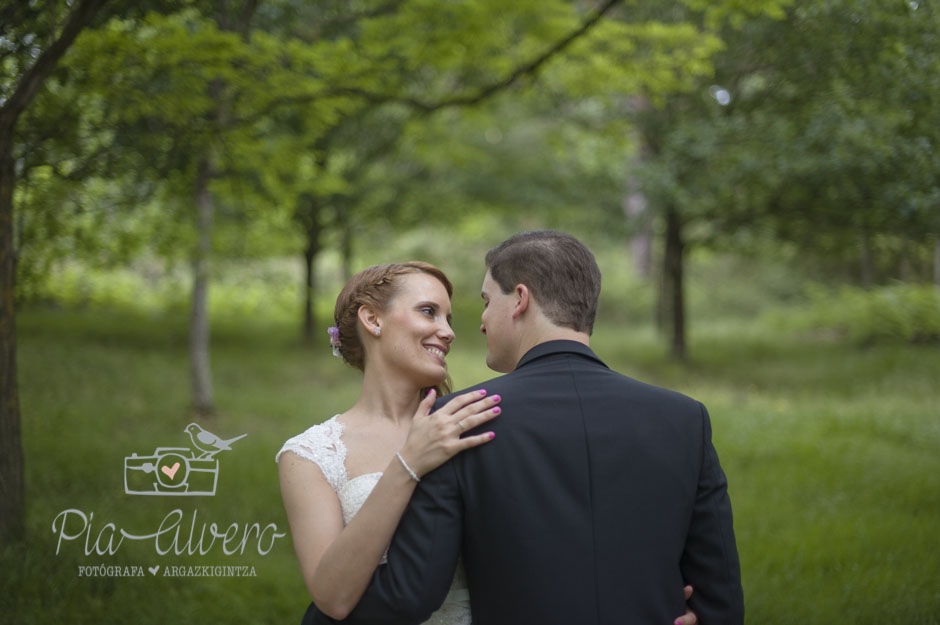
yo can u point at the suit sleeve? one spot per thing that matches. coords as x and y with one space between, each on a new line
422 559
710 558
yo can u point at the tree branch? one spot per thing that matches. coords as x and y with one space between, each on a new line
529 68
32 80
468 99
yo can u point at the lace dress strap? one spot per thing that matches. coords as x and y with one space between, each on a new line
323 445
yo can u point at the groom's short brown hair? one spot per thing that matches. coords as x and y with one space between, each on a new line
559 270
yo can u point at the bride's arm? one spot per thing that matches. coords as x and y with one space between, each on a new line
337 562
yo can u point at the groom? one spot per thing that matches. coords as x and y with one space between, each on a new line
600 496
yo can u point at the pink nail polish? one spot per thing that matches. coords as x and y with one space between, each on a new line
496 410
482 391
495 397
492 435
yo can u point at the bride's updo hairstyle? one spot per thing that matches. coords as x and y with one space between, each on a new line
375 287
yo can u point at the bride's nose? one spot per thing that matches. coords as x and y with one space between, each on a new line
446 333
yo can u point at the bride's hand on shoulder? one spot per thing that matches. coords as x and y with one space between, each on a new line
435 437
689 618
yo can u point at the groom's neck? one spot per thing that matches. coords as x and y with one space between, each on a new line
541 330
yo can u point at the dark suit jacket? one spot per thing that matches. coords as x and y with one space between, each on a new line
599 498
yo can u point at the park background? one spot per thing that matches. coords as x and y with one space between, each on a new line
185 186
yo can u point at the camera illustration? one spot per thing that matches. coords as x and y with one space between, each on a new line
179 471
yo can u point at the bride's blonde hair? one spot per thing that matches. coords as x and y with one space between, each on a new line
375 287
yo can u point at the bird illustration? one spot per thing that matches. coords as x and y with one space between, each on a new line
207 442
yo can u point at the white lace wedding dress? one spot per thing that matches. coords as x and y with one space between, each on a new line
323 445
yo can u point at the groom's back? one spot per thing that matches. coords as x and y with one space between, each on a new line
580 510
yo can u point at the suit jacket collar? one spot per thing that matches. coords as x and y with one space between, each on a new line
550 348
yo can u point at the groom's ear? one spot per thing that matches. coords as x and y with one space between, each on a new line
523 299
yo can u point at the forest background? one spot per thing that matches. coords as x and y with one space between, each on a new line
185 185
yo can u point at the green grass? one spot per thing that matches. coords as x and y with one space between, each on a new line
832 453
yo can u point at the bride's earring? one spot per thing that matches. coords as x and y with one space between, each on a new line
377 331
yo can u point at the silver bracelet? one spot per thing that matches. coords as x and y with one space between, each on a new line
413 475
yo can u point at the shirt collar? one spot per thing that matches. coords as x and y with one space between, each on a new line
549 348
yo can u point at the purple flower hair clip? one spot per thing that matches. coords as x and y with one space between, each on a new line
333 331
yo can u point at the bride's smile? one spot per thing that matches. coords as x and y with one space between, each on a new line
415 333
437 352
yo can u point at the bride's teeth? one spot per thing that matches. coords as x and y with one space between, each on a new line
435 351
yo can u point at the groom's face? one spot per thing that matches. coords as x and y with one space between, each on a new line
497 324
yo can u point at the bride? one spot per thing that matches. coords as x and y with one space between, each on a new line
346 482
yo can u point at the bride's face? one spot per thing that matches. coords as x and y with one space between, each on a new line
416 333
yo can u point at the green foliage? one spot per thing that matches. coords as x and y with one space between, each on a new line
306 101
624 58
819 126
901 312
736 12
244 293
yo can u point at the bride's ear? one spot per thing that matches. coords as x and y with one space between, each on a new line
369 320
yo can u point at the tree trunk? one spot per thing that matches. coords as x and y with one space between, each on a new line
673 277
310 318
936 262
346 241
868 273
641 243
12 497
311 251
904 264
661 311
635 205
12 492
200 370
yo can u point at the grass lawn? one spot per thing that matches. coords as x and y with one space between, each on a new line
832 452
